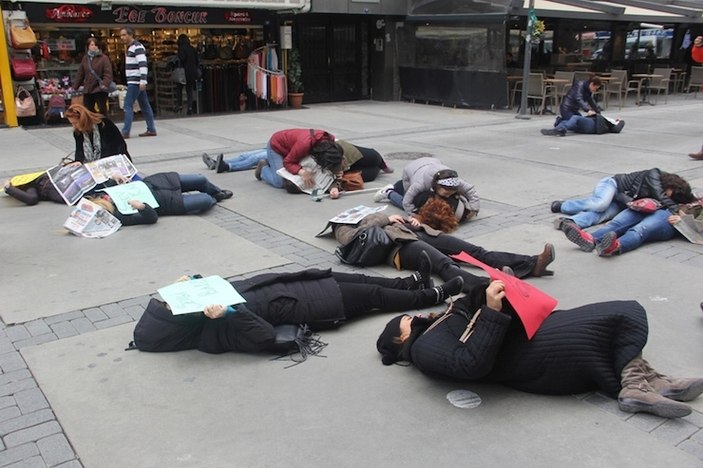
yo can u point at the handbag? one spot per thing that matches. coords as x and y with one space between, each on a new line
21 34
23 67
295 342
644 205
178 75
24 103
352 180
370 246
111 86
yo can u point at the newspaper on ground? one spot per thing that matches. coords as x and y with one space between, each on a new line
186 297
88 219
72 182
687 227
323 178
121 195
351 216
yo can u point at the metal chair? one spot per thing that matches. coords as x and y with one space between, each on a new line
660 84
696 80
560 90
616 85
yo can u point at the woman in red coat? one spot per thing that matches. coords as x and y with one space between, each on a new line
287 148
95 74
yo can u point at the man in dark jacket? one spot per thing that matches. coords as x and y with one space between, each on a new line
579 98
592 124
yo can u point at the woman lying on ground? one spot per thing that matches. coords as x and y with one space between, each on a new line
411 238
442 207
630 229
320 299
592 347
170 191
33 188
422 175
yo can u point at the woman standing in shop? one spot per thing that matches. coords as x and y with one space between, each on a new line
95 74
188 57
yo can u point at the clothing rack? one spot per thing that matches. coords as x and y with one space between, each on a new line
264 79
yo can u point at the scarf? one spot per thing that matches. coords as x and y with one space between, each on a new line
92 54
91 145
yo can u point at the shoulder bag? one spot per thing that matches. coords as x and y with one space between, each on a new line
23 67
111 87
370 246
24 103
21 34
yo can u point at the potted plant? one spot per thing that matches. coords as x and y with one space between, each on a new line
295 83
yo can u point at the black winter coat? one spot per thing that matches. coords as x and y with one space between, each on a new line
643 184
111 141
574 351
579 97
166 187
188 57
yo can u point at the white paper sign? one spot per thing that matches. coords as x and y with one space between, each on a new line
194 295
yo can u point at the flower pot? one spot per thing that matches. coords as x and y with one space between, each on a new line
295 100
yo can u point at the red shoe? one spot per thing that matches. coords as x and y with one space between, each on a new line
578 236
609 245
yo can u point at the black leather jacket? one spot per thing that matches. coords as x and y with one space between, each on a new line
643 184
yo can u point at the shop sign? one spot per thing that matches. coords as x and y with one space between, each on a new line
69 14
237 17
61 44
158 15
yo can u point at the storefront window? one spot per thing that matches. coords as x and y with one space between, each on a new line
649 43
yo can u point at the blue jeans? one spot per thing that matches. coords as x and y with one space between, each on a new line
397 194
197 202
136 94
268 173
578 123
634 229
246 160
595 209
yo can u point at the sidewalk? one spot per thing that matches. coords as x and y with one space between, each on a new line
70 396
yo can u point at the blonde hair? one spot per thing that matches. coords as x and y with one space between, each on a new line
104 203
84 118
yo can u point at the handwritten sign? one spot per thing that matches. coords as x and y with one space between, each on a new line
123 193
532 305
194 295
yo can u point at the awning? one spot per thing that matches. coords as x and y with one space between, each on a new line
296 5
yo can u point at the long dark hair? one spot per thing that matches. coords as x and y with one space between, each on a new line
680 189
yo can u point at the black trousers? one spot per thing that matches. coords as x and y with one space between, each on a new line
189 86
522 265
90 100
370 164
362 294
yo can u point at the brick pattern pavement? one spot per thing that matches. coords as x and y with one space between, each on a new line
30 434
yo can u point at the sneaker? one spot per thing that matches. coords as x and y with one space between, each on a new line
578 236
148 133
382 195
609 245
559 222
259 166
209 162
556 206
223 195
617 128
553 132
221 165
451 288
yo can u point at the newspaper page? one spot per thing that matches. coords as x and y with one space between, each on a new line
186 297
323 178
105 168
356 214
687 227
121 195
88 219
72 182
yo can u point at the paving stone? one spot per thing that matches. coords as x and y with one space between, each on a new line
7 401
141 300
9 413
135 311
698 437
607 404
694 448
13 387
31 400
646 422
12 361
6 345
17 332
675 431
33 462
32 433
112 310
37 327
15 454
70 464
35 340
83 325
15 376
113 322
64 329
695 418
25 421
55 449
64 317
94 314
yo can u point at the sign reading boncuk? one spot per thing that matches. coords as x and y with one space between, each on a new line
159 15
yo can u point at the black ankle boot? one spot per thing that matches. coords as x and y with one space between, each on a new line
423 275
448 289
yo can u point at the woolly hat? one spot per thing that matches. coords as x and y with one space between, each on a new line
388 343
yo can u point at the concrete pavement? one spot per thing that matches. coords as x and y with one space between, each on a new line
70 395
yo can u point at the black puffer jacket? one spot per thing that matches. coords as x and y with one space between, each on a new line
643 184
579 97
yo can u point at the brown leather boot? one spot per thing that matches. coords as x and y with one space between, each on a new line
679 389
638 395
698 155
543 260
